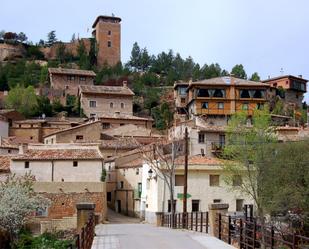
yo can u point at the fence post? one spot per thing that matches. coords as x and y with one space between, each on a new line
229 229
254 233
207 222
201 222
159 220
196 221
84 210
272 238
214 209
294 240
240 233
191 220
219 226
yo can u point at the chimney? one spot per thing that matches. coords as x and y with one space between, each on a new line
125 83
22 149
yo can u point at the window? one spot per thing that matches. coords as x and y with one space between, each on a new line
245 106
220 105
219 93
182 91
169 208
79 137
137 171
75 163
26 165
66 87
9 151
201 138
122 105
204 105
216 200
239 205
109 196
92 103
106 125
109 44
82 78
70 77
214 180
202 93
237 180
121 184
92 115
109 32
111 105
195 205
31 138
179 180
139 188
122 124
183 100
221 140
41 212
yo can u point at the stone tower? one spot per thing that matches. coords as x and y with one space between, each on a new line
107 32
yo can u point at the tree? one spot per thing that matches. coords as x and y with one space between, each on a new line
34 52
239 71
211 71
43 106
57 106
60 52
18 202
41 42
162 116
22 99
255 77
10 36
247 146
135 59
160 158
22 37
83 62
2 32
51 38
73 39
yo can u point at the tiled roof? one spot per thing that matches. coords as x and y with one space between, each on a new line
131 130
71 71
71 128
228 81
8 143
121 143
5 164
198 160
59 154
122 116
131 164
118 19
282 77
117 90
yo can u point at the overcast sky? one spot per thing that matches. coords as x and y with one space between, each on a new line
263 35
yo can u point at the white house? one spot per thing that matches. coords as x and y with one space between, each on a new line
206 185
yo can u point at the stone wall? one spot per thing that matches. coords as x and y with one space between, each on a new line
11 52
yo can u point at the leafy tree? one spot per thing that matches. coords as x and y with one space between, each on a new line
224 73
51 38
255 77
41 42
239 71
43 106
83 62
247 148
34 52
162 116
2 32
22 99
60 52
103 175
22 37
44 75
18 201
73 39
57 106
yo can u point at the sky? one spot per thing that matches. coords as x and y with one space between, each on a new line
270 37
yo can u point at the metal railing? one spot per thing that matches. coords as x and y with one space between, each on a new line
247 233
84 238
195 221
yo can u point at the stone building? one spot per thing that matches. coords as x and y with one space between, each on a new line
65 82
97 101
290 89
206 185
107 32
66 174
34 130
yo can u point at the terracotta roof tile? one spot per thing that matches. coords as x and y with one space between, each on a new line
198 160
120 143
71 71
59 154
123 116
117 90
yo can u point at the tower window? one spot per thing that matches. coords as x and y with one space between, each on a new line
109 44
26 165
109 32
122 105
111 105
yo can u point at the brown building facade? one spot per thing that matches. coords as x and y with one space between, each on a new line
64 82
107 32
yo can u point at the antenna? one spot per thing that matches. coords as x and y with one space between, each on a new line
281 71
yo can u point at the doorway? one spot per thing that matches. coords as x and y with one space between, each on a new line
119 206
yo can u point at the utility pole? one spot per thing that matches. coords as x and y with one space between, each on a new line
185 185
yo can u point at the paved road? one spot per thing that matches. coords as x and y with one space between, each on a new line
126 233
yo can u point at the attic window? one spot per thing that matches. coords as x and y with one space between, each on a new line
75 163
27 165
122 105
79 137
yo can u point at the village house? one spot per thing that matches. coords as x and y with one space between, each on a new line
66 174
124 182
99 100
290 89
7 147
64 82
180 99
7 116
205 138
206 185
220 97
34 130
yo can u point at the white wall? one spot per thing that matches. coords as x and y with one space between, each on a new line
86 171
4 128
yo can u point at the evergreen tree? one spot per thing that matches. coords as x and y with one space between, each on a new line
51 38
239 71
255 77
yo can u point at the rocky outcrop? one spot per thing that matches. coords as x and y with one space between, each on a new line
11 51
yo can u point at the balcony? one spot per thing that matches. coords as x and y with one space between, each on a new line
217 147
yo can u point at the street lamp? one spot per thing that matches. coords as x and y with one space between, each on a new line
150 173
